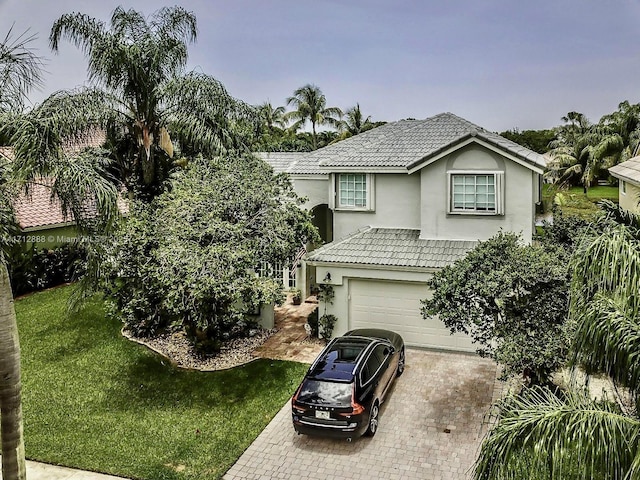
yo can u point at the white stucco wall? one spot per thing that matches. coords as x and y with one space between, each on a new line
315 188
397 205
520 194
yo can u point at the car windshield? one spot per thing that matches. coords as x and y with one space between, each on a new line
325 393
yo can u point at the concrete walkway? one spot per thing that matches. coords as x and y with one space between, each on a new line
44 471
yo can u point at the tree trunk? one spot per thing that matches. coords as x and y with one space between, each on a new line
13 462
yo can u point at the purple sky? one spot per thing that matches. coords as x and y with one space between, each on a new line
499 63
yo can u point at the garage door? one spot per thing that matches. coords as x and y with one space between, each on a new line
396 306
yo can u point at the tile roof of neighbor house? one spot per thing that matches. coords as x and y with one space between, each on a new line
38 210
406 144
392 247
629 170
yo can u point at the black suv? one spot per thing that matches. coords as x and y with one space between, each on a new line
341 393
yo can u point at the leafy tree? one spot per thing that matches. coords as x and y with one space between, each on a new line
511 299
310 104
77 182
186 260
536 140
573 435
140 94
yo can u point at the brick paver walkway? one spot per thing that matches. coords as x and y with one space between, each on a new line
430 428
291 342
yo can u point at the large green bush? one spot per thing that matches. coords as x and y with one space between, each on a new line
187 259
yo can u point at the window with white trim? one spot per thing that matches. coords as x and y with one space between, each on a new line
475 193
623 187
354 191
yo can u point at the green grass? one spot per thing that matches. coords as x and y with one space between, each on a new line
94 400
575 202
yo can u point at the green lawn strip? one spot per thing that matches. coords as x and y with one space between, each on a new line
575 202
94 400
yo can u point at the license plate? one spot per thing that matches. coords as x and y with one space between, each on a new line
323 415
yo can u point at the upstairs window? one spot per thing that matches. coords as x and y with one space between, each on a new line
354 191
475 193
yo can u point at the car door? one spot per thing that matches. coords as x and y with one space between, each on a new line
384 374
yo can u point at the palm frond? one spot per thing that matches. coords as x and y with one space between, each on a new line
607 340
20 69
573 438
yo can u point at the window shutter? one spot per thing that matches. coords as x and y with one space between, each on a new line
371 192
332 191
500 193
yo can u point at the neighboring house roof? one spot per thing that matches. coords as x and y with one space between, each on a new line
407 144
392 247
38 209
629 170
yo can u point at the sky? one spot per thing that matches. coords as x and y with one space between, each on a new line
501 64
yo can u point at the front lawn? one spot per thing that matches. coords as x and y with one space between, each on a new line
573 201
96 401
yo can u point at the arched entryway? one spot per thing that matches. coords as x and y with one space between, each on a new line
323 220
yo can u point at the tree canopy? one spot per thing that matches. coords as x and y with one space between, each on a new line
512 299
140 94
187 259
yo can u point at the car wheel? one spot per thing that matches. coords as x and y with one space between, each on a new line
373 420
400 363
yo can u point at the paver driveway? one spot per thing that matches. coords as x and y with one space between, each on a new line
430 428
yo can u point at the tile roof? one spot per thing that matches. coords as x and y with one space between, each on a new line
395 247
280 161
301 163
406 144
39 211
629 170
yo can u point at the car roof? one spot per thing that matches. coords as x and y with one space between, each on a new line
339 360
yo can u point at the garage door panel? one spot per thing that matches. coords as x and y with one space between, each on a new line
396 306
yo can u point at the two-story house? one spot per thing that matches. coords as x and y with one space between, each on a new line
399 202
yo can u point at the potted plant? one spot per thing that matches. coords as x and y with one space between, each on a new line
297 296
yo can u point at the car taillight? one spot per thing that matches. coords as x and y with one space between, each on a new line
294 399
356 408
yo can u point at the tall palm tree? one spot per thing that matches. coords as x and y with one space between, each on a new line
310 104
573 436
140 94
77 182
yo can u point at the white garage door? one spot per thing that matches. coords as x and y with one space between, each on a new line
396 306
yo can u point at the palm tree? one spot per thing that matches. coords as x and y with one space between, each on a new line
354 122
77 182
20 70
271 117
574 436
140 94
579 150
311 105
